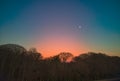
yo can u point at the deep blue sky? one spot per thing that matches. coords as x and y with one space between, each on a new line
31 22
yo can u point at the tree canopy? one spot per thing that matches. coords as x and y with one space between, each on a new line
18 64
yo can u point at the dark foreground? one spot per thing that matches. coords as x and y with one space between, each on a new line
18 64
115 79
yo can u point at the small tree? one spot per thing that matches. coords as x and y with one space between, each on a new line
34 54
65 56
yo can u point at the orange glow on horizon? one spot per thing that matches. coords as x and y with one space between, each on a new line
58 38
53 47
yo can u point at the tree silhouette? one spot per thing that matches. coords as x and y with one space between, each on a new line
64 56
16 49
18 64
34 54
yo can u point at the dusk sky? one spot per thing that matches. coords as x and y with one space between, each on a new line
54 26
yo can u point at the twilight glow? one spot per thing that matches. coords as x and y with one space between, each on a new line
54 26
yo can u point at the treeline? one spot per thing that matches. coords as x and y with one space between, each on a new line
18 64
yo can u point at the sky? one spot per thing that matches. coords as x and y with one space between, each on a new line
54 26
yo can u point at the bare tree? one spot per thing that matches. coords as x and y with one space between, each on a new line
65 56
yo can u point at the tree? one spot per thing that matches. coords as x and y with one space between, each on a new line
65 56
17 64
12 48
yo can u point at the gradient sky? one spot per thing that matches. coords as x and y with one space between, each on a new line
54 26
